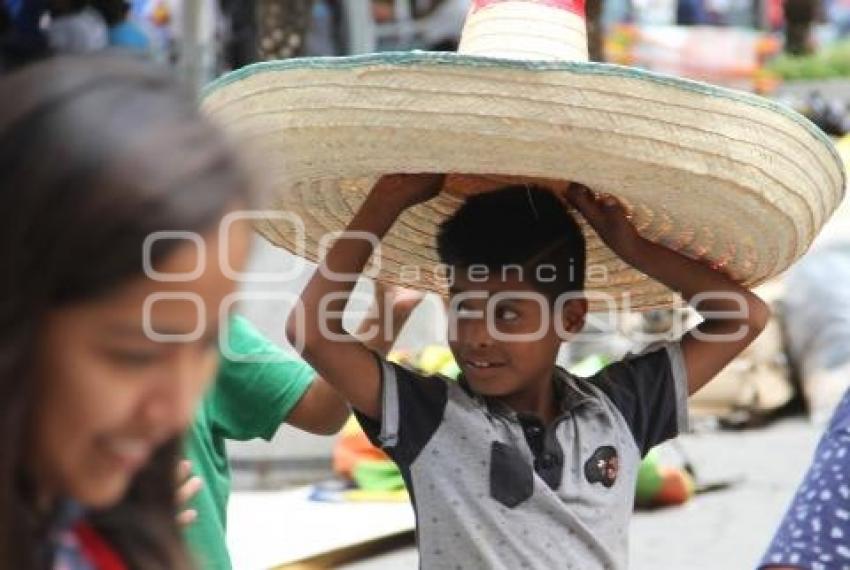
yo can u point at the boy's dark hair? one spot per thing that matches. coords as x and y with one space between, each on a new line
520 225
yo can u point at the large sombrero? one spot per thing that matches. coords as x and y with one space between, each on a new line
725 176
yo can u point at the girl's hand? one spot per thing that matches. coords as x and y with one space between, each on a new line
188 486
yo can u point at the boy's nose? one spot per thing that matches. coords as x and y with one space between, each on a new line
478 334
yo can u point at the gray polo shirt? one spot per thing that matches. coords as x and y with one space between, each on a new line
493 489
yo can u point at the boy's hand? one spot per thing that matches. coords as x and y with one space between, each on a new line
406 190
608 217
733 315
350 367
400 302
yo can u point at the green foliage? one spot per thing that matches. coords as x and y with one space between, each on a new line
830 62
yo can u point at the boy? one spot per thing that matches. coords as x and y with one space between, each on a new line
521 465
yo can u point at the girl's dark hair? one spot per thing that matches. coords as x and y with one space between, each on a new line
95 155
524 226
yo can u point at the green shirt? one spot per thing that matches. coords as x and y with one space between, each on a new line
251 397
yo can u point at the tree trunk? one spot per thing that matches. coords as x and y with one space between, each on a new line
595 33
239 44
799 15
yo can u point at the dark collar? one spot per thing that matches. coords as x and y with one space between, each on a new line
568 394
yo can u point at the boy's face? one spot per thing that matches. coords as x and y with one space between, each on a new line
505 334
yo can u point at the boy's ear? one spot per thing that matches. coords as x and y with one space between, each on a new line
573 314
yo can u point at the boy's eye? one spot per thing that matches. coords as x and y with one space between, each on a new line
464 311
506 314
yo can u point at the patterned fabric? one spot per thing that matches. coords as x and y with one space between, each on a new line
73 544
64 543
815 532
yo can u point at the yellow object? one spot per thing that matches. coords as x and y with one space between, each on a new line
351 427
843 148
434 358
361 496
161 14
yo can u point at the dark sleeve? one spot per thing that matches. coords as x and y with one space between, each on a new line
651 391
412 407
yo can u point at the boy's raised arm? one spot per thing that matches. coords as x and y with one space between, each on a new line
338 357
734 316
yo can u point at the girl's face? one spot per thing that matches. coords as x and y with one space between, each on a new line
108 394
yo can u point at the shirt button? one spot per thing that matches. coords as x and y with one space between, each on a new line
547 461
532 431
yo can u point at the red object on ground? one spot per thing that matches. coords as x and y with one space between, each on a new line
676 487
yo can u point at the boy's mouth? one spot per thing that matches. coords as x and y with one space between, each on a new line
482 364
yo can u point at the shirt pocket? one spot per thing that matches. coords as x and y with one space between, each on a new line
511 476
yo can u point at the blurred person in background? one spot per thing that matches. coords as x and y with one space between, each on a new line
98 383
123 31
815 531
76 27
813 534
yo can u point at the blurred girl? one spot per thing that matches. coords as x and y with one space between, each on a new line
102 361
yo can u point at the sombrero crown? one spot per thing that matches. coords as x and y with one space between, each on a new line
720 175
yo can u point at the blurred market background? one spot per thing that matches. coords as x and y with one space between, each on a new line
754 429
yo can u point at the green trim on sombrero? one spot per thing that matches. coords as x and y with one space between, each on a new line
454 59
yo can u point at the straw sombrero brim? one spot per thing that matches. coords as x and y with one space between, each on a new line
716 174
